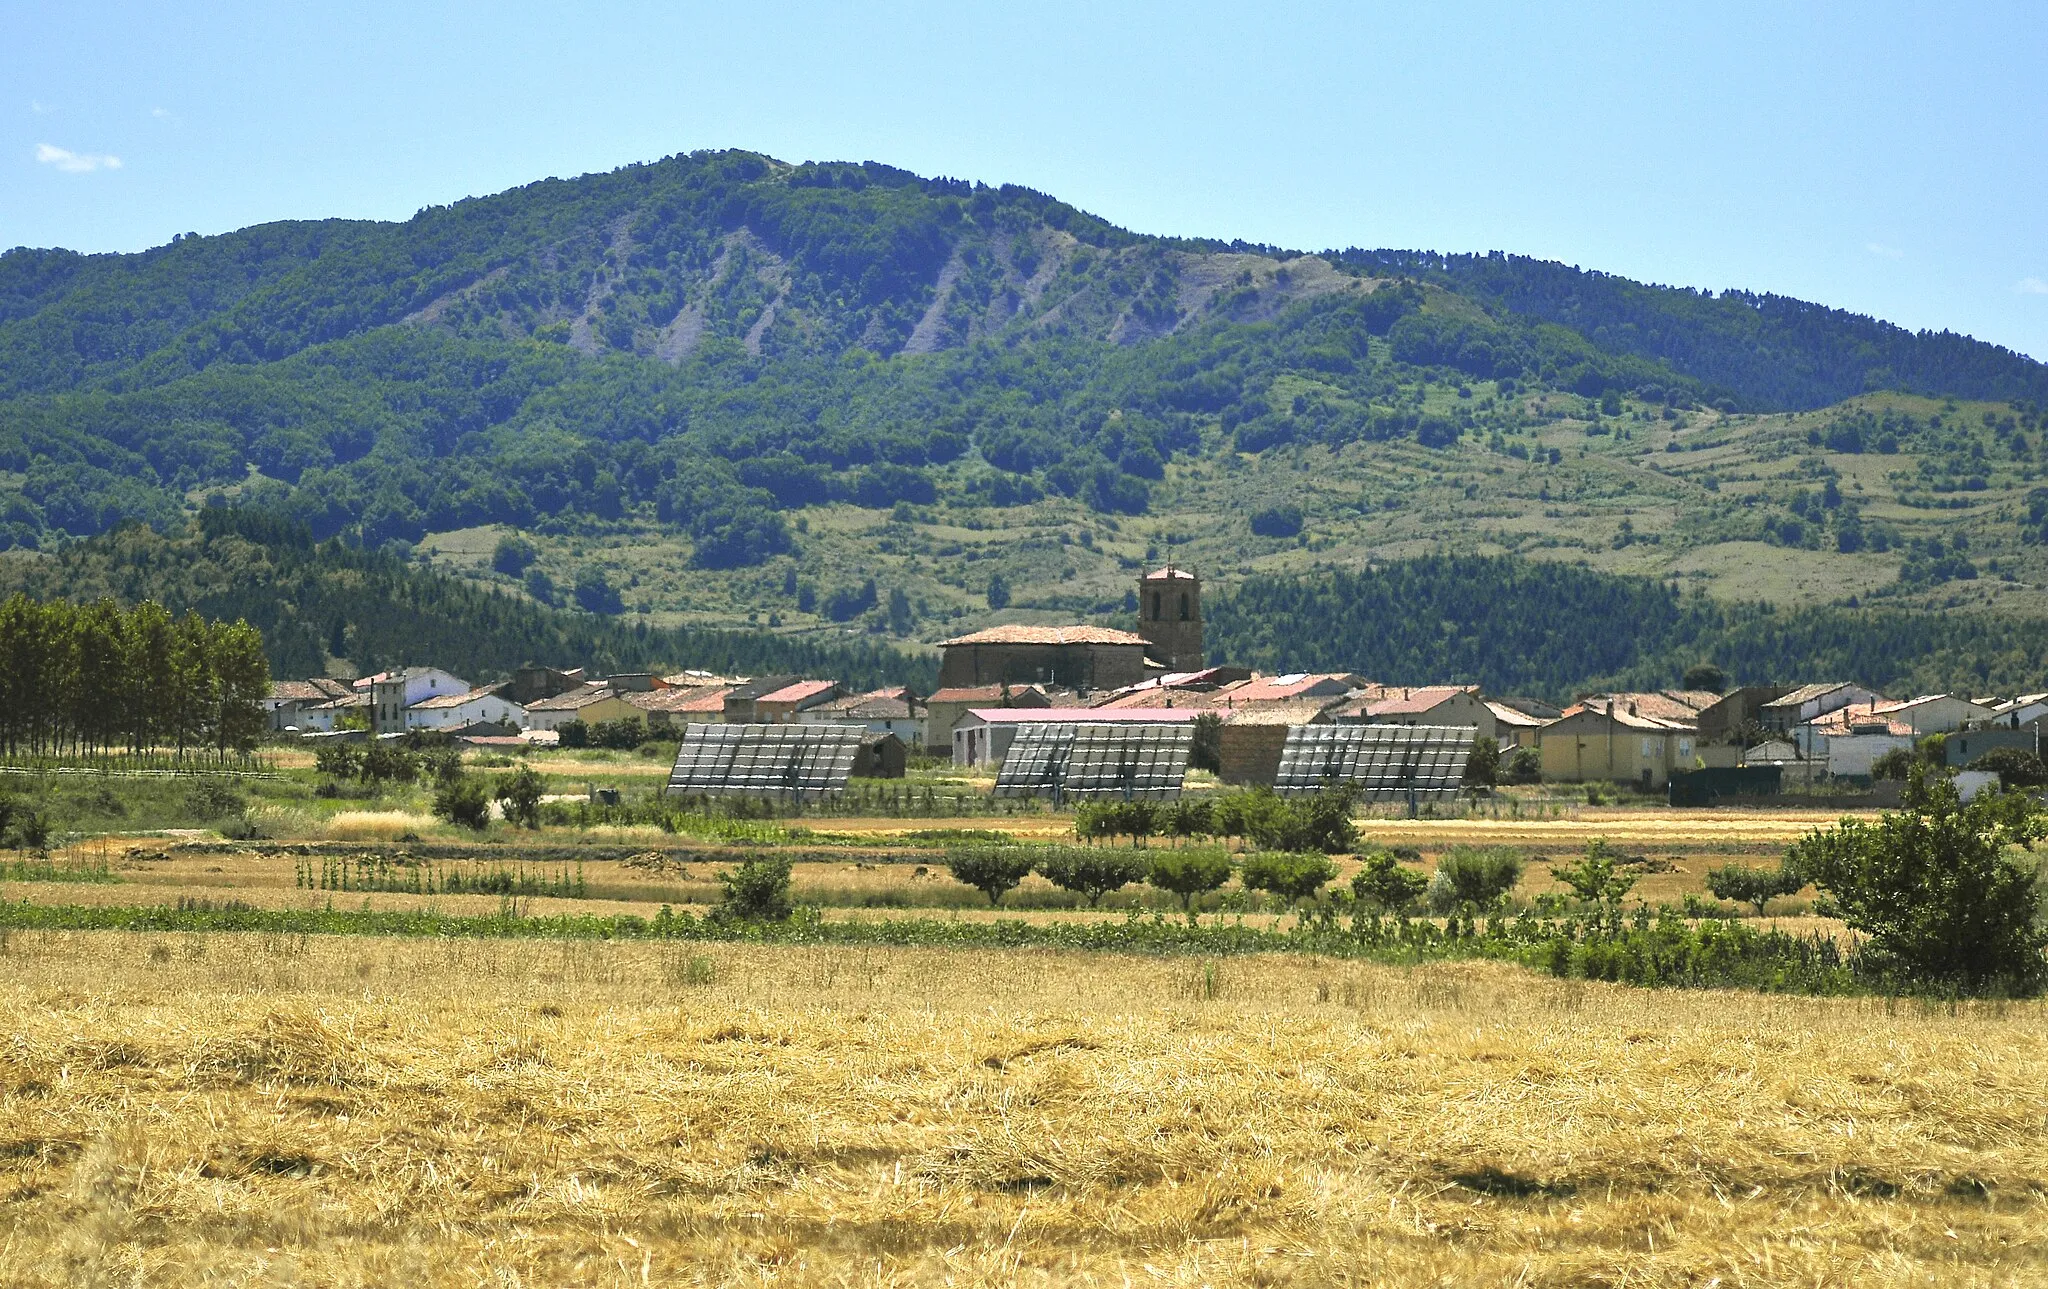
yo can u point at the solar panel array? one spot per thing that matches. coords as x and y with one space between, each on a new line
1124 762
791 761
1384 762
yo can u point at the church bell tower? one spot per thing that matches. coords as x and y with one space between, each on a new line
1170 617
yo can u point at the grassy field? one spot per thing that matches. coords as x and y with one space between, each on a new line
273 1109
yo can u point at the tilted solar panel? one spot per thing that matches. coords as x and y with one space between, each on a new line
1035 764
1384 762
798 761
1124 762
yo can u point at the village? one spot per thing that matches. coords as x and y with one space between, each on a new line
1695 746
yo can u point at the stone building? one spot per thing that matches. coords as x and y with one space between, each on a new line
1170 617
1084 658
1077 658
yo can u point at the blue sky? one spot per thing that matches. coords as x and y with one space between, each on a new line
1886 158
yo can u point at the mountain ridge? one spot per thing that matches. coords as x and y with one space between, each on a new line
736 386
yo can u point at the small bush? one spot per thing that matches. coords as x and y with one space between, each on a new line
1480 876
464 802
1277 521
572 734
1752 886
520 792
1384 884
1524 766
211 800
1092 873
756 891
2016 767
337 760
1947 893
1189 873
995 871
1293 878
1594 878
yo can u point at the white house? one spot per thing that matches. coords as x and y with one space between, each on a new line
453 711
1934 713
1853 738
421 683
1809 703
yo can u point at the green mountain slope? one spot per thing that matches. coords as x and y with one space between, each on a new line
734 389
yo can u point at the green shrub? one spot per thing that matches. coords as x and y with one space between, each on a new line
572 734
1480 876
1946 892
1524 766
1189 873
1293 878
1754 886
210 799
1482 764
756 891
520 793
1320 823
337 760
995 871
1092 873
2016 767
1595 878
1190 817
1384 884
463 801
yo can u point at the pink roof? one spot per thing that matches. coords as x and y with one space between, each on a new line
798 692
1169 572
1084 715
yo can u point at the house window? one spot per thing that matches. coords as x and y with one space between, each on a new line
1649 747
1156 614
1183 607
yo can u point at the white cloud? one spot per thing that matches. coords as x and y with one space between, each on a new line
38 107
75 163
160 113
1882 251
2032 286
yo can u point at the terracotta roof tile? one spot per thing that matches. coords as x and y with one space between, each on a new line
1023 634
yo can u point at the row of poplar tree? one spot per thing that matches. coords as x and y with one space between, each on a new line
93 679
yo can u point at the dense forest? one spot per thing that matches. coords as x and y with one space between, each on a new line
712 340
96 678
1552 630
316 600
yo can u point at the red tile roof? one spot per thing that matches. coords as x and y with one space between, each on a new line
800 691
1022 634
1169 573
1270 689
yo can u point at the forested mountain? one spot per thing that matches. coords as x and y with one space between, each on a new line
714 339
1515 626
320 601
721 388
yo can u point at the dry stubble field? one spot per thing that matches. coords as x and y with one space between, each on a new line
250 1109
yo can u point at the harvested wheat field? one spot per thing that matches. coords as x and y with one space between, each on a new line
249 1109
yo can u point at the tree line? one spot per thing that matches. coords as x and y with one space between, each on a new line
315 600
97 678
1522 626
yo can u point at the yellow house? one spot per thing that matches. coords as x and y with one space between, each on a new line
1610 743
592 704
